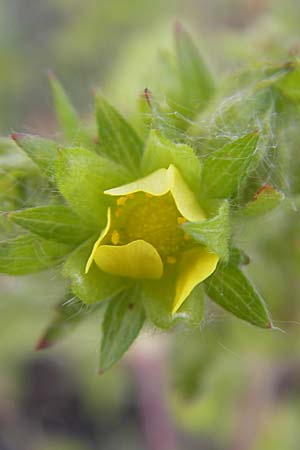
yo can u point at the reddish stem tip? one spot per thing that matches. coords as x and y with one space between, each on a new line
51 75
178 28
17 136
264 187
147 96
43 344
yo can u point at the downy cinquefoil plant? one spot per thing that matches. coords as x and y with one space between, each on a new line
141 221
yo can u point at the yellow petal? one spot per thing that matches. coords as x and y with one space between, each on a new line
195 266
185 199
138 259
99 240
157 183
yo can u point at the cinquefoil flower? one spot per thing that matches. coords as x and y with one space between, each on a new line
144 239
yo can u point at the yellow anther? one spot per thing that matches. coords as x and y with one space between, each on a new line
149 195
171 260
181 220
115 237
131 196
186 237
118 212
121 201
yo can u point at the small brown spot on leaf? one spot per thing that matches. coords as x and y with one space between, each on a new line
264 188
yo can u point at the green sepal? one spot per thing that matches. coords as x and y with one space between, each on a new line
191 311
118 140
42 152
123 320
30 253
96 285
264 201
55 222
214 232
158 298
68 315
196 79
229 287
82 177
225 170
160 152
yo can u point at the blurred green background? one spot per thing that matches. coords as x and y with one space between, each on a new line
226 386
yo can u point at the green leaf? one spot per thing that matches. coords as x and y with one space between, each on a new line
230 288
54 222
68 314
289 85
160 152
67 117
122 323
197 81
265 200
95 286
118 139
7 146
82 177
42 151
12 157
214 233
29 253
225 170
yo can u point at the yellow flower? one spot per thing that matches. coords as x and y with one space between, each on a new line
143 237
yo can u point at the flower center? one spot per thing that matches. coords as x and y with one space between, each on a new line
155 219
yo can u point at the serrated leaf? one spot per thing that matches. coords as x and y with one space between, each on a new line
231 289
96 285
29 253
68 314
54 222
197 82
67 116
42 152
225 170
214 232
118 139
123 320
160 152
82 177
265 200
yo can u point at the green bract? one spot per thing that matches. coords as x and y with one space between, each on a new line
141 226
